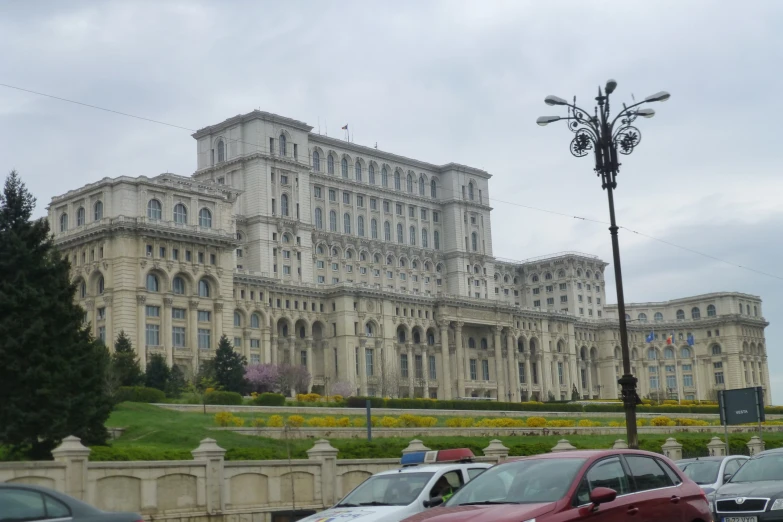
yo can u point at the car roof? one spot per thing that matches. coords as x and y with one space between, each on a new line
432 468
77 506
700 459
586 454
768 452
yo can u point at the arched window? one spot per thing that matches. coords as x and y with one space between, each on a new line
711 311
98 211
374 229
652 354
152 283
320 250
642 318
376 258
627 317
282 145
658 317
237 319
319 219
368 329
286 238
668 353
410 184
424 238
63 222
346 223
154 209
316 161
205 218
386 231
400 238
436 240
471 342
384 177
412 234
402 262
421 185
363 256
360 226
680 315
255 322
401 335
332 221
535 278
284 205
470 191
548 276
397 185
474 241
416 337
430 338
358 171
755 311
330 164
83 290
221 151
349 254
433 189
715 349
180 214
483 343
695 312
203 288
344 167
101 285
178 286
685 352
389 260
371 174
80 214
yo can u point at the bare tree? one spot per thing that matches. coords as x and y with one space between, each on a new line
389 379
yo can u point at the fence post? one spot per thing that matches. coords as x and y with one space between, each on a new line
496 450
620 444
212 455
716 447
755 445
672 449
327 455
415 445
74 455
562 445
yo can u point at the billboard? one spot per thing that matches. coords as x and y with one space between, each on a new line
742 406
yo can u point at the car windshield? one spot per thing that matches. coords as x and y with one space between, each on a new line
522 482
701 471
398 489
765 467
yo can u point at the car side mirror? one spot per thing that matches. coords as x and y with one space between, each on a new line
726 477
437 501
602 496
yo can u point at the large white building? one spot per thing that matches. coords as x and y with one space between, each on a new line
375 269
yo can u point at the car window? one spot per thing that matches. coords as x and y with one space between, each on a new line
55 508
675 478
732 466
647 473
21 504
607 473
475 472
399 489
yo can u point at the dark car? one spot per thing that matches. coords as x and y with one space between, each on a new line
600 486
23 503
755 492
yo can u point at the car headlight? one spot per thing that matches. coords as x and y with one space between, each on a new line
778 504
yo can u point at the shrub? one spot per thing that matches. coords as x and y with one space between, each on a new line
359 423
275 421
587 423
661 421
336 398
258 423
641 422
536 422
560 423
316 422
269 399
296 421
139 394
223 398
389 422
616 424
308 397
223 418
459 422
344 422
237 421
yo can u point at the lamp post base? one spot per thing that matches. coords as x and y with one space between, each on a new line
630 401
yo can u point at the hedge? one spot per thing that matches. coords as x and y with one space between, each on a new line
270 399
139 394
223 398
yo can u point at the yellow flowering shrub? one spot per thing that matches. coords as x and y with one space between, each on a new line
296 421
459 422
258 423
662 421
336 398
641 422
389 422
344 422
587 423
223 418
560 423
616 424
237 421
275 421
536 422
358 422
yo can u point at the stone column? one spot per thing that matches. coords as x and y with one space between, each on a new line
672 449
362 364
92 317
501 387
528 376
108 299
411 369
75 456
273 348
266 350
212 456
511 352
696 371
542 370
141 331
310 363
324 453
166 330
460 359
425 370
589 378
716 447
445 364
193 333
218 321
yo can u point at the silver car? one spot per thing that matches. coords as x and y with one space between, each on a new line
711 472
22 502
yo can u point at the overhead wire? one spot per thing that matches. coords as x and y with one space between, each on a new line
263 149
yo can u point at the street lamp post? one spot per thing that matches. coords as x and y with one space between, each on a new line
606 137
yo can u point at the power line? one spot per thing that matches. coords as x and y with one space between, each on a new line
261 148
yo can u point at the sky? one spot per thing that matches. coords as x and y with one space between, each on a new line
441 81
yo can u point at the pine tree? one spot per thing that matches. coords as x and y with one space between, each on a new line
158 372
230 367
176 383
125 363
52 372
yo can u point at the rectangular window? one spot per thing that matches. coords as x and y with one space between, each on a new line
473 370
204 316
589 300
536 291
549 289
563 298
589 311
579 286
534 372
718 377
204 338
404 365
411 211
653 382
550 300
717 365
162 252
386 206
360 201
319 264
332 195
537 303
335 280
201 257
560 372
317 192
424 213
102 334
373 204
670 369
335 267
286 254
237 342
417 366
598 300
321 279
175 254
178 313
255 358
562 286
178 336
687 368
432 367
435 216
521 369
255 343
485 369
346 198
153 335
283 179
187 255
101 313
671 381
398 209
153 311
286 270
211 259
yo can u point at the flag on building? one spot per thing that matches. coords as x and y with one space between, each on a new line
650 337
344 127
670 338
690 340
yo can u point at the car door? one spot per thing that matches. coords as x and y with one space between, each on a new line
655 494
732 465
32 506
605 473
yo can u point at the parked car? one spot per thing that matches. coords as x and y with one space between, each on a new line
711 472
755 492
423 481
36 503
600 486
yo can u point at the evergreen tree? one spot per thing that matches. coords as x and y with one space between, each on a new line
52 372
229 367
158 372
125 363
176 383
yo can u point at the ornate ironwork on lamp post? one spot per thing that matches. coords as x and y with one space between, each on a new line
606 137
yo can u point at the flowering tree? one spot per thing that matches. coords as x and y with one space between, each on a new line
263 377
293 377
343 388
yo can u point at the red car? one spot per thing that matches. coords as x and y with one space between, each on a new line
600 486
